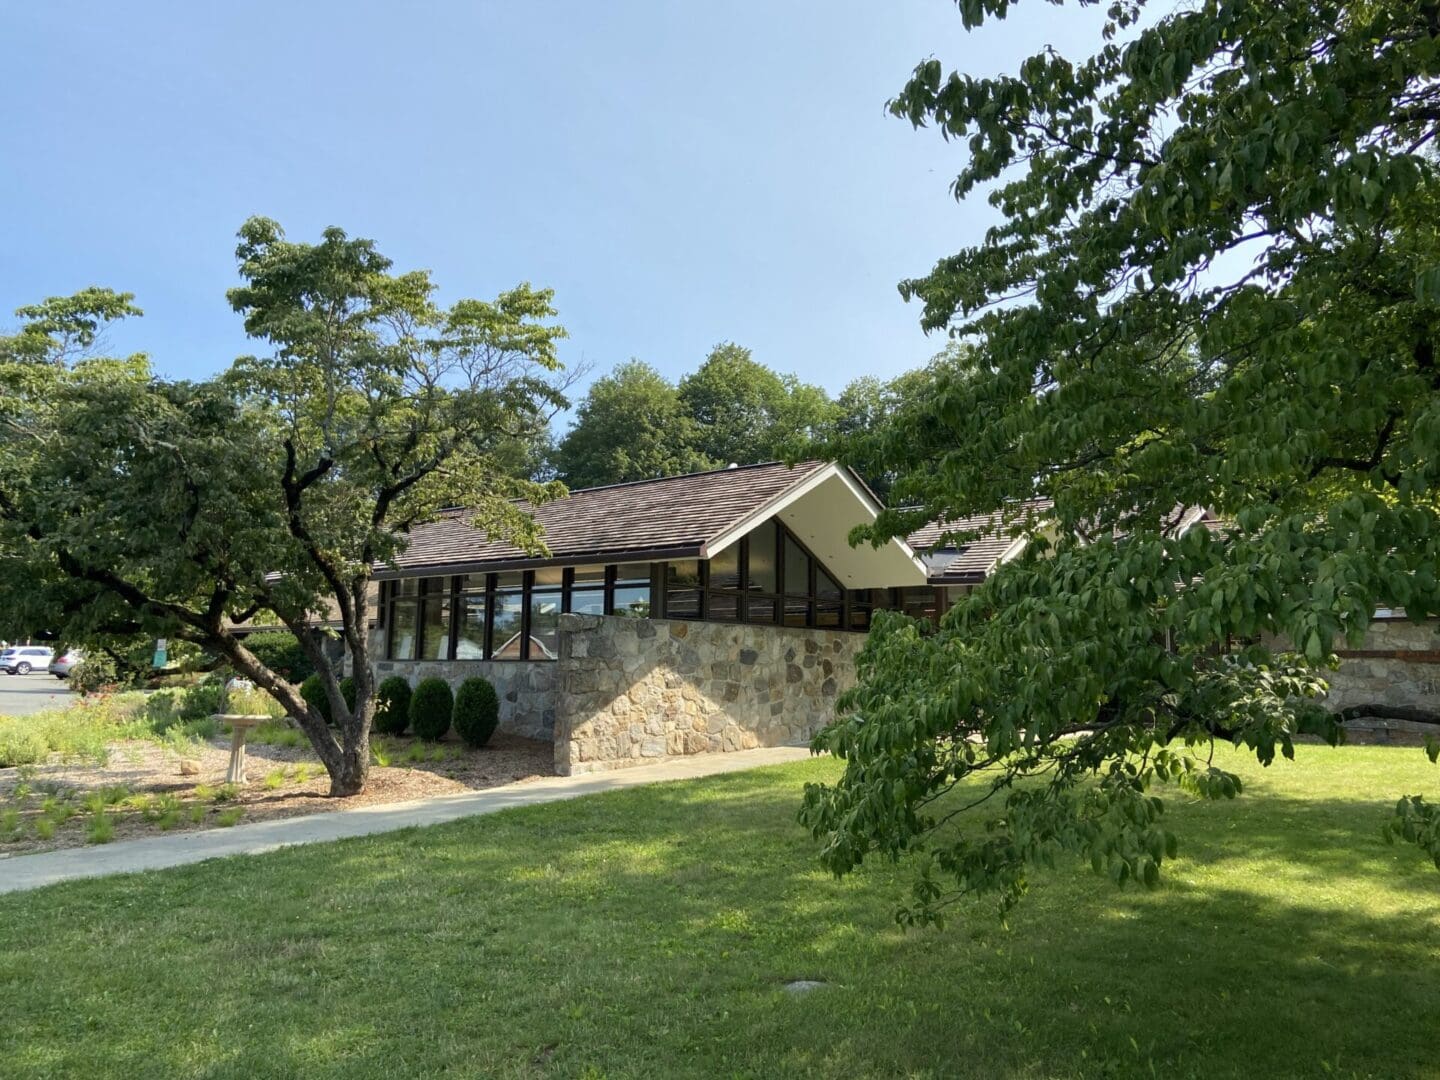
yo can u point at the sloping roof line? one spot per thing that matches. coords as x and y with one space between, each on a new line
674 516
971 561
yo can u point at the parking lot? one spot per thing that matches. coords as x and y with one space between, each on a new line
23 694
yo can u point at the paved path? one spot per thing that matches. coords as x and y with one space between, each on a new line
154 853
21 695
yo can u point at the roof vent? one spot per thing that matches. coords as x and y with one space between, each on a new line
732 465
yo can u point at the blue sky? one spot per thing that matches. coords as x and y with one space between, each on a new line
680 173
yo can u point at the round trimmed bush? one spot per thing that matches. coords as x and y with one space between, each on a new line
477 711
431 707
313 691
392 706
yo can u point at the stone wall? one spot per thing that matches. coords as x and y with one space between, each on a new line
1397 664
527 690
634 690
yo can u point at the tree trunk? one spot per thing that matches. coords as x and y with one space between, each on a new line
349 776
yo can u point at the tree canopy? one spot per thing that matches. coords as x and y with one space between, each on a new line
1214 282
634 424
631 425
134 504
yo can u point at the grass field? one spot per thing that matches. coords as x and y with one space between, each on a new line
650 932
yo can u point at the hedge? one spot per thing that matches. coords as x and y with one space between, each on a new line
281 653
431 707
392 706
477 711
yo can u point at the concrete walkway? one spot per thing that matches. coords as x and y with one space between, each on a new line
156 853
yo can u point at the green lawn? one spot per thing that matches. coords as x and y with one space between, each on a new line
648 932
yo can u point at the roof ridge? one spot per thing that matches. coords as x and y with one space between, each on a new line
701 472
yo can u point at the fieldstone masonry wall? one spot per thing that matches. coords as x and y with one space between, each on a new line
634 690
1398 664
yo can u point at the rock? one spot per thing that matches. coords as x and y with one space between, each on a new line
189 768
804 986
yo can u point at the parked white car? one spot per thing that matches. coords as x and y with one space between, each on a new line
61 666
23 659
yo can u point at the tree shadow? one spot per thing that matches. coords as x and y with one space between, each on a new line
650 932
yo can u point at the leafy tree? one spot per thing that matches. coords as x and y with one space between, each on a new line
869 404
630 426
130 503
745 413
1215 282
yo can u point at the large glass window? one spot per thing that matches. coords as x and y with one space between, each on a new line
632 590
404 628
683 589
507 629
546 602
587 590
797 569
763 576
470 631
766 577
829 600
435 620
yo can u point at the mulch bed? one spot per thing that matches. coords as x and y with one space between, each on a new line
147 769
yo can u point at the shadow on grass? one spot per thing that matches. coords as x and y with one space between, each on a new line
649 932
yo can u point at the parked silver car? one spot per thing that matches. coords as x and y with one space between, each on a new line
23 659
61 666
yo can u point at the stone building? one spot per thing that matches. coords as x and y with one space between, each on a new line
692 614
717 611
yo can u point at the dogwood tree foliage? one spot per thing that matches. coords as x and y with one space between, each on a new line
1214 282
134 504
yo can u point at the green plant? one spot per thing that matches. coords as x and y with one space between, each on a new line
274 780
281 653
313 691
248 701
392 705
477 711
196 814
9 822
93 674
203 700
102 829
431 707
303 772
19 746
226 818
381 751
277 733
158 807
45 827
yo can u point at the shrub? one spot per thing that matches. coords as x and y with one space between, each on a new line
477 711
203 700
93 674
392 706
431 706
313 691
21 746
281 653
249 701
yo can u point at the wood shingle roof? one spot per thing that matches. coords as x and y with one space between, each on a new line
673 516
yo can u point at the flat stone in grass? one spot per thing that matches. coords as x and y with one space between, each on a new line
804 986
